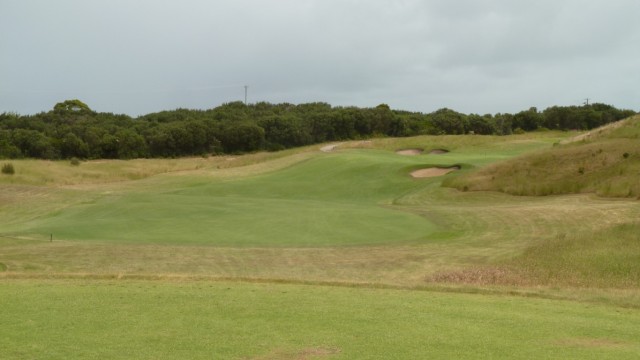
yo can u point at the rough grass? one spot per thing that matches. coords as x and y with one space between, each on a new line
103 172
606 163
606 258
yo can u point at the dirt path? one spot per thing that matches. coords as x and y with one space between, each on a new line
587 135
329 148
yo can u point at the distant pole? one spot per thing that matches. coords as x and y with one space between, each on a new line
51 238
586 101
246 87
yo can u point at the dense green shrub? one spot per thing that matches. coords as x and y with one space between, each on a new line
8 169
72 129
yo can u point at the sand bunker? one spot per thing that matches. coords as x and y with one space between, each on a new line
433 172
410 152
438 151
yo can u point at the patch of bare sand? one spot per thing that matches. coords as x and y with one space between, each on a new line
329 148
410 152
304 354
433 172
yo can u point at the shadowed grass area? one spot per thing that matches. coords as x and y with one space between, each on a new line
204 320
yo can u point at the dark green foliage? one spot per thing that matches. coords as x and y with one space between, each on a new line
8 169
74 106
242 138
481 125
528 120
447 121
73 146
286 131
581 117
75 161
72 129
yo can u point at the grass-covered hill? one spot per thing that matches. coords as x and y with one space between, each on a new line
605 161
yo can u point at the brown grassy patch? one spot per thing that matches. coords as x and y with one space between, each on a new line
438 151
591 343
481 276
304 354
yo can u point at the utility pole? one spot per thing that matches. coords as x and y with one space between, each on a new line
586 102
246 87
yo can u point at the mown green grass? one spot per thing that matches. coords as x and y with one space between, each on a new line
326 200
220 320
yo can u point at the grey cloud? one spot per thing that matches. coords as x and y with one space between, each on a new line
471 55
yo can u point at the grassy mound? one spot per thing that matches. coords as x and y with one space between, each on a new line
607 162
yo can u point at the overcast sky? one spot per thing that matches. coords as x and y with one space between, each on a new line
474 56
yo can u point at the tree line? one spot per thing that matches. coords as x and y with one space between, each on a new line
71 129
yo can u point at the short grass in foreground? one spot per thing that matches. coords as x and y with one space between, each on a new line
204 320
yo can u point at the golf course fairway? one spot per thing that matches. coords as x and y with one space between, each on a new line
310 254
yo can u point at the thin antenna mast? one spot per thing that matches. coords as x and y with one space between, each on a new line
246 87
